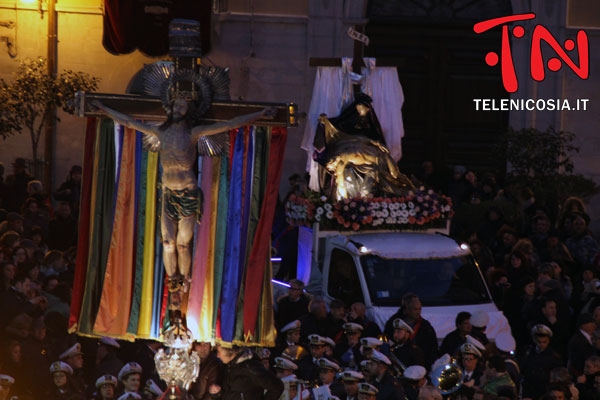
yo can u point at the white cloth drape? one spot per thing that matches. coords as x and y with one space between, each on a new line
333 91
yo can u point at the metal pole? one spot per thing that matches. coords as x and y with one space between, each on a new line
50 129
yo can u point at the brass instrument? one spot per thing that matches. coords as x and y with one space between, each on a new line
294 353
447 378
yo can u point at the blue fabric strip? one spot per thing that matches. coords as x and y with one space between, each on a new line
232 267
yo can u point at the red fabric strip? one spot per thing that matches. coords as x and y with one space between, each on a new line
262 239
84 222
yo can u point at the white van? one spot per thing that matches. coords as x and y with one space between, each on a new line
379 268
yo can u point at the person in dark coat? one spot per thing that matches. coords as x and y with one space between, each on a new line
537 363
347 351
580 345
70 189
380 377
469 359
403 347
63 389
62 229
245 378
327 374
16 186
358 314
423 334
107 362
211 371
457 337
38 355
316 321
293 306
307 366
560 330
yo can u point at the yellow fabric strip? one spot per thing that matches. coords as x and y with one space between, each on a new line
145 319
206 314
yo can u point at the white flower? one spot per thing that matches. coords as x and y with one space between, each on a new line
327 206
403 205
412 213
404 213
318 217
390 220
403 220
319 210
385 213
384 205
411 205
329 214
323 198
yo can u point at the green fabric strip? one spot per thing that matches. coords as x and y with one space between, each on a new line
136 298
221 230
102 229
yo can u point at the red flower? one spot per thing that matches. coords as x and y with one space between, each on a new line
346 224
412 220
420 221
340 220
355 226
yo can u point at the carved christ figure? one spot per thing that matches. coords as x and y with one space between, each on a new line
182 198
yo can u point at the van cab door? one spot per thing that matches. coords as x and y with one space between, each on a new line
343 279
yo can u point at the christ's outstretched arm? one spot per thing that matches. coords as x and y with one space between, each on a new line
126 120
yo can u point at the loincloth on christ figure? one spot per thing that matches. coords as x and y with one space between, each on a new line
183 203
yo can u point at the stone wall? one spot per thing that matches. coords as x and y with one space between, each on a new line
563 84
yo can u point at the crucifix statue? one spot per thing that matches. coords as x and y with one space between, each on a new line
199 116
176 141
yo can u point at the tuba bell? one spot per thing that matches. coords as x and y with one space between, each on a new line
448 378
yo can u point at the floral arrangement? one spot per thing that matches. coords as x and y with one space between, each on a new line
418 210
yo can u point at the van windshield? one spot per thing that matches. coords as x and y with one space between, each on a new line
437 282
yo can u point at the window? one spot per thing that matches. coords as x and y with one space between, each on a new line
437 282
343 282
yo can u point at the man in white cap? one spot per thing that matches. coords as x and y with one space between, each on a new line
6 382
367 391
506 346
327 372
74 357
107 362
380 377
423 333
107 387
284 367
130 376
403 347
537 363
307 367
350 380
469 357
479 321
62 373
414 380
290 334
368 345
348 349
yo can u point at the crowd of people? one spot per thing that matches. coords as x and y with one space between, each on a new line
541 266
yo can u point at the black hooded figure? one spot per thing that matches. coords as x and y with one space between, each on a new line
352 152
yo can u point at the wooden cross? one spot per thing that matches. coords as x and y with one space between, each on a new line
149 108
